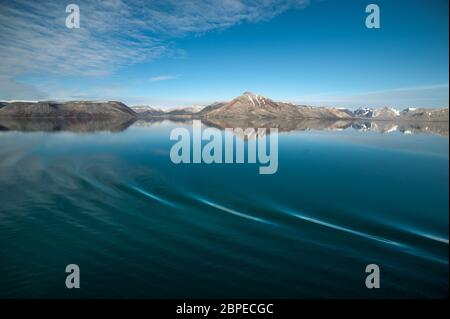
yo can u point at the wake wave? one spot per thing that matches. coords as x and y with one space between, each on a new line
155 197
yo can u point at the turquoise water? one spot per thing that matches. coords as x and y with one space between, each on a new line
140 226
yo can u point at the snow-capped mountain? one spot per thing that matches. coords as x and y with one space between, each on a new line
254 105
184 110
147 110
408 114
363 112
386 113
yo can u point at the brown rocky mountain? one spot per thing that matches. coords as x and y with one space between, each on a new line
250 105
75 109
211 107
386 113
428 115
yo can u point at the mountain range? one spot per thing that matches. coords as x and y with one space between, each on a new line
246 106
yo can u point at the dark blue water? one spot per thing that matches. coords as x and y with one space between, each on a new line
140 226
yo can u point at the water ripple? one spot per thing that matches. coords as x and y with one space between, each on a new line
344 229
232 211
406 248
154 197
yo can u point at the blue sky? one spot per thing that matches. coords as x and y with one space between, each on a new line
179 53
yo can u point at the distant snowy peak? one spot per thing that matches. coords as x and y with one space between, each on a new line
384 113
408 114
192 109
145 108
149 110
395 111
363 112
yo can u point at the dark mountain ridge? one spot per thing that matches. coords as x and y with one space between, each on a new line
73 109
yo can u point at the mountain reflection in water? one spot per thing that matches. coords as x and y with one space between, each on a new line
120 124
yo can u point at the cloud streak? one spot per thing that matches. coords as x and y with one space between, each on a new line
163 78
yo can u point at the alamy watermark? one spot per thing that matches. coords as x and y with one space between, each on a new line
373 277
73 279
73 19
373 19
221 149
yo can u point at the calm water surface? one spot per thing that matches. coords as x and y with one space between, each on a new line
140 226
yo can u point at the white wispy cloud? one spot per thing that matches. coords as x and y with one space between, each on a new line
113 33
163 78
